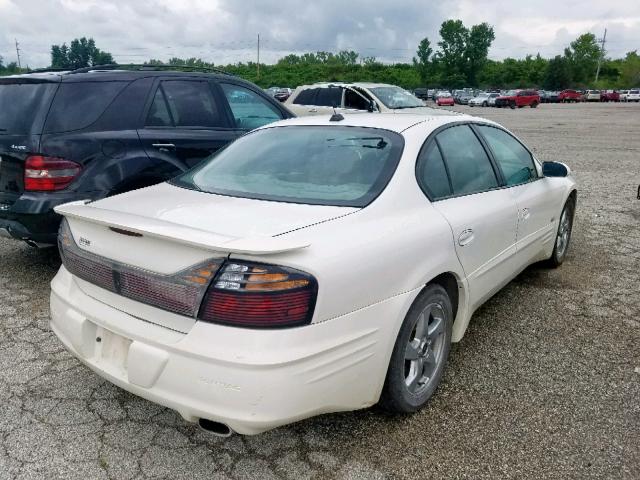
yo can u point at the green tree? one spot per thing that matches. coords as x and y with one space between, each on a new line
558 75
479 39
452 54
583 54
80 53
422 61
630 70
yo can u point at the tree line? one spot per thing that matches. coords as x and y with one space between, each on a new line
459 58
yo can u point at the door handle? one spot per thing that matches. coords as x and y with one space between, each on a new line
466 237
164 146
525 214
313 110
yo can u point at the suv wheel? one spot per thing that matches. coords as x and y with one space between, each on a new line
534 104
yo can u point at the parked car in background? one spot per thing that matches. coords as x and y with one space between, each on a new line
444 99
633 95
609 96
623 95
569 95
271 284
282 94
483 99
97 132
592 96
519 98
463 98
547 96
322 98
421 93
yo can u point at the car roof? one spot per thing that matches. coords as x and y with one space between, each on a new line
126 75
387 121
348 84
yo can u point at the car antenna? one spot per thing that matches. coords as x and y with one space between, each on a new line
336 117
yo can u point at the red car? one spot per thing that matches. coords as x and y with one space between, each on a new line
519 98
444 100
569 96
609 96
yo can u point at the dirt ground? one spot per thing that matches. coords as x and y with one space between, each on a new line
545 384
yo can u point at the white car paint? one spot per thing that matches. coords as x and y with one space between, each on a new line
370 263
483 100
360 88
633 95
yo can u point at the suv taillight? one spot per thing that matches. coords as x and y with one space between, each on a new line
257 295
46 174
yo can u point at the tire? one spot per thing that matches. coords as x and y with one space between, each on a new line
512 105
563 234
485 104
534 105
410 382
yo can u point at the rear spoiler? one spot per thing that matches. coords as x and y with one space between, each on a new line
178 233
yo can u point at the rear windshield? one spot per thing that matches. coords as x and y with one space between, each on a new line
318 165
78 105
20 103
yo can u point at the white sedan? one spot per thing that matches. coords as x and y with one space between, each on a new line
314 265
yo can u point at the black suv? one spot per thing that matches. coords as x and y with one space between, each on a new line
96 132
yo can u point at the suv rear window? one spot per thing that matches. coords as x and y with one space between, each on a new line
318 165
20 103
79 105
306 97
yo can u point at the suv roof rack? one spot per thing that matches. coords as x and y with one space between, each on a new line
147 67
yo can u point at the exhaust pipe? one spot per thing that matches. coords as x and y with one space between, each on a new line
216 428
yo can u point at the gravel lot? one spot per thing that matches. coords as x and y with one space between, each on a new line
545 384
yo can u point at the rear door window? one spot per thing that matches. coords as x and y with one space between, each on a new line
329 97
306 97
78 105
159 115
191 104
249 109
20 103
467 162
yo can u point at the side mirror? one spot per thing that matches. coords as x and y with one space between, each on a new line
554 169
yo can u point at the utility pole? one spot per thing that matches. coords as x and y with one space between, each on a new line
18 53
258 56
603 41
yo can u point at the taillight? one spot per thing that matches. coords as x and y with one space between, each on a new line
257 295
180 292
46 174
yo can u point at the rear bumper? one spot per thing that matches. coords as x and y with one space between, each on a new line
251 380
31 216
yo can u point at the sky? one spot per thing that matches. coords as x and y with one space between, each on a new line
226 31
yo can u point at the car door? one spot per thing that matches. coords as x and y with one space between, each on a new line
483 217
185 123
248 108
538 199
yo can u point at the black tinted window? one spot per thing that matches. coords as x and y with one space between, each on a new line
20 103
329 97
432 174
191 104
515 161
78 105
468 163
306 97
249 109
158 115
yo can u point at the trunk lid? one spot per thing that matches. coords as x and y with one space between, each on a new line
166 230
